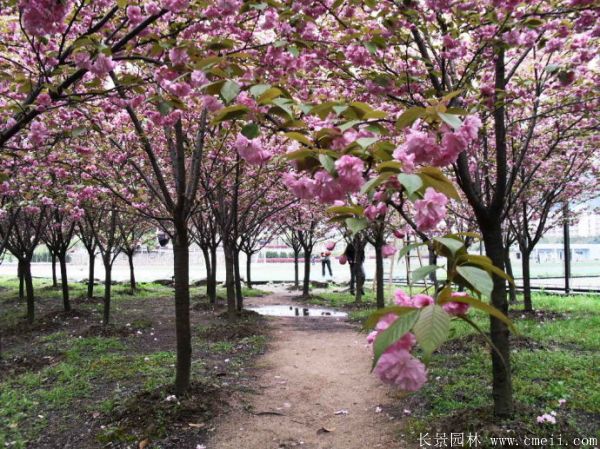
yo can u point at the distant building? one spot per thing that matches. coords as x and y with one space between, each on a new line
554 252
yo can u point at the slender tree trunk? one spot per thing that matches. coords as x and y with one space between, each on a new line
132 282
181 258
248 270
208 267
91 274
107 288
501 371
230 280
21 275
359 272
29 290
62 259
54 276
433 261
238 282
211 284
512 291
296 270
525 258
306 282
379 276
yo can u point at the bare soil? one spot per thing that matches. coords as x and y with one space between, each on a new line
313 390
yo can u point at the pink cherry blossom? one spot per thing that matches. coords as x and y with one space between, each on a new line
102 65
388 250
398 367
402 299
422 300
41 17
330 246
455 307
343 259
431 210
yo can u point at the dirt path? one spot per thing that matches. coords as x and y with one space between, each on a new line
314 368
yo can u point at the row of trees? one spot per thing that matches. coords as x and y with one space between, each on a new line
185 113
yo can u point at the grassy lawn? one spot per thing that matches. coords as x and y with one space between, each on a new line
557 356
66 379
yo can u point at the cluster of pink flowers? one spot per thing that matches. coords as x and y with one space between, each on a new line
422 147
326 187
396 365
373 212
388 250
175 5
251 150
38 133
419 301
102 65
430 210
41 17
549 418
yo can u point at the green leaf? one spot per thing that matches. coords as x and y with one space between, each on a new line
392 334
230 113
259 89
421 272
251 130
433 177
229 91
299 137
452 244
484 307
346 126
354 210
410 182
372 183
393 166
432 328
327 162
453 120
407 248
372 320
479 279
268 95
409 116
364 142
485 263
355 225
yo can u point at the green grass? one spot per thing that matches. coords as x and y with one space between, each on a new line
102 372
564 365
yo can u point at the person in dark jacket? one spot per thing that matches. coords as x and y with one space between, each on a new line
326 262
350 253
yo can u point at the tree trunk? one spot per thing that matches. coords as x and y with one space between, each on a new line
248 270
433 274
62 258
211 283
21 275
306 282
525 258
181 258
29 290
359 271
512 291
501 371
107 288
230 280
379 276
207 266
132 283
238 282
296 270
54 277
91 274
